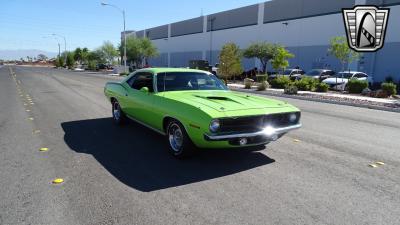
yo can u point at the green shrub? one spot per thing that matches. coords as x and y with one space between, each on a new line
321 87
263 86
356 86
291 89
92 65
280 82
306 84
59 62
389 88
261 77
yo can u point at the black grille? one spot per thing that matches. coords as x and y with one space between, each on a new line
256 123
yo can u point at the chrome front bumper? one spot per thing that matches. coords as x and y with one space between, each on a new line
270 134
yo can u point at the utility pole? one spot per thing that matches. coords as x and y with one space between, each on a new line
123 17
65 47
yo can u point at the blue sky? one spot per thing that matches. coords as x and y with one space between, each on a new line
24 24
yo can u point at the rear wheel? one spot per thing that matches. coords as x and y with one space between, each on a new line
118 116
180 144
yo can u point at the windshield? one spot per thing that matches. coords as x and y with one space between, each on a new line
287 72
181 81
313 73
343 75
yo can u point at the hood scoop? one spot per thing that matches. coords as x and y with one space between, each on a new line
216 98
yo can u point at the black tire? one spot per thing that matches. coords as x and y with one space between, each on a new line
178 148
118 116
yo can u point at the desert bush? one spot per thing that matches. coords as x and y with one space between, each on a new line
321 87
247 83
355 86
306 84
263 86
291 89
389 88
280 82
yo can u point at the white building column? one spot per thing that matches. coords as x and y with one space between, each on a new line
360 2
204 52
261 13
168 48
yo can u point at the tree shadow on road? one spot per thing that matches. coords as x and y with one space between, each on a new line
139 158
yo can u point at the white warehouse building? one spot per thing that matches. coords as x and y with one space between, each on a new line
305 27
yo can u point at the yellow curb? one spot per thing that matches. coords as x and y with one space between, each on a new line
58 181
43 149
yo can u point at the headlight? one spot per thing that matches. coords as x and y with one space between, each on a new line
214 125
292 117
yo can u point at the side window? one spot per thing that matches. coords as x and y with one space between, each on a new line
143 80
160 82
361 75
131 80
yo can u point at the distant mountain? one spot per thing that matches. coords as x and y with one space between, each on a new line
23 53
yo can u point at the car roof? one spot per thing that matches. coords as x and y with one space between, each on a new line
351 72
166 69
320 70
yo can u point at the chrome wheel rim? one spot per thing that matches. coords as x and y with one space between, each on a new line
116 111
175 137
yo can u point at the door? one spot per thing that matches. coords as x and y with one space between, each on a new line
141 103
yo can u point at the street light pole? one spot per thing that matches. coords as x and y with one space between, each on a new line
123 17
65 47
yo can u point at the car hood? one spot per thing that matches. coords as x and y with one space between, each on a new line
334 80
224 101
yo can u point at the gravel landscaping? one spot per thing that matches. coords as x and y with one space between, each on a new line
388 104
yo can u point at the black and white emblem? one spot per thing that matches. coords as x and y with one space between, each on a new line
365 27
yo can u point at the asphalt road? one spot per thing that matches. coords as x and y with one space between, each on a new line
113 175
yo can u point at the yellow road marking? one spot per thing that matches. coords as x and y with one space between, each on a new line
296 140
380 163
28 110
43 149
58 181
30 118
372 165
36 131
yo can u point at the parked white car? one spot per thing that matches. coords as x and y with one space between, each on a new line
340 80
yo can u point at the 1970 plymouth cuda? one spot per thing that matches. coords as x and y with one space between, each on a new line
193 108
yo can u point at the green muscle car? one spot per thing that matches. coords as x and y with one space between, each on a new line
193 108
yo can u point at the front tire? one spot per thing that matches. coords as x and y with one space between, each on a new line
179 142
118 116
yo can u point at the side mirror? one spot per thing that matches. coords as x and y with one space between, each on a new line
144 90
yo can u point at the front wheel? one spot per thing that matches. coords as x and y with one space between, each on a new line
180 144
